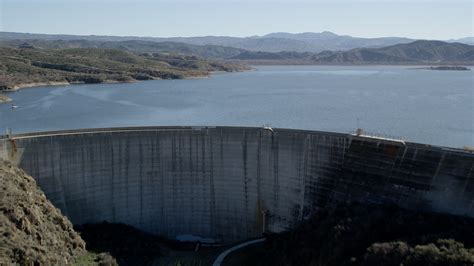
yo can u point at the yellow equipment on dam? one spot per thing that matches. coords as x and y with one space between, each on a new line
230 183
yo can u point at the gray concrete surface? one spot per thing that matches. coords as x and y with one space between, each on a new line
225 253
230 183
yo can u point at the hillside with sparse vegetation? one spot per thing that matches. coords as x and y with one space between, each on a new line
27 66
369 235
32 230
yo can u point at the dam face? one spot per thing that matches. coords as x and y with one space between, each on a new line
229 183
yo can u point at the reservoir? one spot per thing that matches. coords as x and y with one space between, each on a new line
426 106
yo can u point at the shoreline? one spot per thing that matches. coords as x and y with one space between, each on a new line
55 83
37 84
67 83
254 67
20 86
267 62
4 99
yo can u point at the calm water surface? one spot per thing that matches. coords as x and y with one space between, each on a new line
435 107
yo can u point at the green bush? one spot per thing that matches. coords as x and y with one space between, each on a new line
373 235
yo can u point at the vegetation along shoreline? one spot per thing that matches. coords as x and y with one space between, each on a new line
31 67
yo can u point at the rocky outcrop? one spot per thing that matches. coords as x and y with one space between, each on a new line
32 230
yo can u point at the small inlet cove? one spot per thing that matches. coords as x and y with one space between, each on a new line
417 105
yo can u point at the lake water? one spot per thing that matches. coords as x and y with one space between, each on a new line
434 107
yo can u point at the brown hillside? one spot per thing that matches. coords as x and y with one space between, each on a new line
32 230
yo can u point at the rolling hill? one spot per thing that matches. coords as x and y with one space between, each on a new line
417 52
273 42
135 46
29 66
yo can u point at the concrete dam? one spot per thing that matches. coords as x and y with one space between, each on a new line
233 183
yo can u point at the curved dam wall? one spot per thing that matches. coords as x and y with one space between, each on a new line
229 183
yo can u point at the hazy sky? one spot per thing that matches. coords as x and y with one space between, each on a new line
408 18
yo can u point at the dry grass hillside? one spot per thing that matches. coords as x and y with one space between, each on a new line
32 230
28 66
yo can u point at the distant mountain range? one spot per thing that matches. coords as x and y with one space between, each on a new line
417 52
269 48
467 40
273 42
135 46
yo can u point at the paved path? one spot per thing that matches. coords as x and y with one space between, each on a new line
222 256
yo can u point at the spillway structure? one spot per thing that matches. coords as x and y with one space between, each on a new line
232 183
